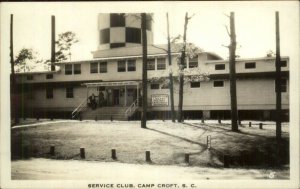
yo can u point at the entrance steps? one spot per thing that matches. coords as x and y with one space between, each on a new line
106 113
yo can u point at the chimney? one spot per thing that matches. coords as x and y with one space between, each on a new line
52 43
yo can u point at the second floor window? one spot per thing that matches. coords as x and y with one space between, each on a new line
103 67
195 84
68 69
121 66
283 63
131 65
151 64
94 67
161 63
218 83
154 86
77 68
193 63
250 65
220 67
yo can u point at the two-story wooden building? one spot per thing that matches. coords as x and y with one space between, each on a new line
109 85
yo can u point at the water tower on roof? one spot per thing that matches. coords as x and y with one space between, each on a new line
122 30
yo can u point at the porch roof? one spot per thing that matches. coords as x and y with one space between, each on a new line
111 83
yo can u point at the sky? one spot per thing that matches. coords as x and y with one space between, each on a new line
255 25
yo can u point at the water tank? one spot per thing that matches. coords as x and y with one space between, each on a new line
122 30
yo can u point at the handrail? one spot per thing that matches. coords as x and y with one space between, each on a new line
78 108
132 107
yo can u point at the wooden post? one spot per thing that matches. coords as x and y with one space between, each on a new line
148 158
25 152
226 161
144 72
113 154
80 117
219 121
250 124
52 150
187 158
240 122
260 126
96 118
111 118
82 153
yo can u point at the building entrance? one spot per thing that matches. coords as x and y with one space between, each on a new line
116 97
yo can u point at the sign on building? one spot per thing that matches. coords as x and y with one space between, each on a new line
160 100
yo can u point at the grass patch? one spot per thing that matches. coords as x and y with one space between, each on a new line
167 141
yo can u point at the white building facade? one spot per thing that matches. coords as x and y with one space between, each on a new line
113 80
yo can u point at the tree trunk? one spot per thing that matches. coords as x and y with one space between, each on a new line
144 74
232 75
12 63
278 82
170 73
52 43
181 68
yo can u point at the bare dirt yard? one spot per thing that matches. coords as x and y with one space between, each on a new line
167 142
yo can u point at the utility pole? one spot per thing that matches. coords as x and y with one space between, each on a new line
12 62
278 81
144 73
52 43
232 75
181 68
170 73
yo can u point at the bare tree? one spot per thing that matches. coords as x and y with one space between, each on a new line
170 73
278 81
144 73
232 75
181 67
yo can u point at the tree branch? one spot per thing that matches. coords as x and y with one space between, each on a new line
227 31
160 48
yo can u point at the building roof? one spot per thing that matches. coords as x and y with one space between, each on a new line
247 59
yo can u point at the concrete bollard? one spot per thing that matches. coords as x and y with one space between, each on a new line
82 153
52 150
113 154
226 161
187 158
148 158
260 126
250 124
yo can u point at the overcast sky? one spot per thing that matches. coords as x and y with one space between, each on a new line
255 25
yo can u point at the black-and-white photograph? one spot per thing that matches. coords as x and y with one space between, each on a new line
150 94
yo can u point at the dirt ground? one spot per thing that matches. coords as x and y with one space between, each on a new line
47 169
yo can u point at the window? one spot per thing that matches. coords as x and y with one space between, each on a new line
250 65
105 36
195 84
151 64
161 63
154 86
220 67
218 83
133 35
103 67
131 65
117 20
116 45
121 66
29 77
77 68
283 85
283 63
49 76
69 92
49 92
68 69
94 67
193 63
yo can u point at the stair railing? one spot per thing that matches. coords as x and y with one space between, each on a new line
79 108
132 108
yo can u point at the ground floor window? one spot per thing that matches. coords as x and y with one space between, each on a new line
49 92
154 86
218 83
69 92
